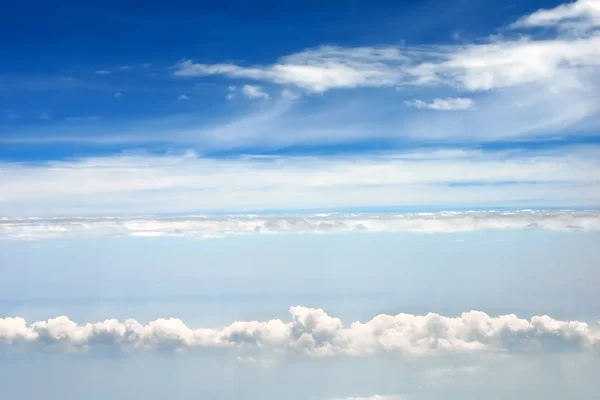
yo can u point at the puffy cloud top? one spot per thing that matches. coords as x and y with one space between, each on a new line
314 333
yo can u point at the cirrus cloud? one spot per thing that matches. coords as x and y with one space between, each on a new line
560 61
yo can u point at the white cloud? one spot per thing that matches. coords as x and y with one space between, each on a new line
527 85
316 70
183 97
125 68
498 62
582 15
207 226
117 94
254 92
313 333
373 397
448 104
102 72
184 182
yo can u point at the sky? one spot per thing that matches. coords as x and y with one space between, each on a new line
351 201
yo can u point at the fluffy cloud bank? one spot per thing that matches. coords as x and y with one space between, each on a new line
314 333
215 226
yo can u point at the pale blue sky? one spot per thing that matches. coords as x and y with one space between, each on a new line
211 283
521 272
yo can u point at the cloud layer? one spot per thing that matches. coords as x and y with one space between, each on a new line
138 183
205 226
313 333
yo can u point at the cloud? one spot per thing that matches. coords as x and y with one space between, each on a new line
117 94
582 15
315 70
211 226
373 397
183 97
254 92
231 92
526 84
125 68
185 182
287 94
102 72
449 104
493 63
314 333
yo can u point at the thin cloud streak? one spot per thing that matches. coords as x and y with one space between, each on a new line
190 183
207 226
498 63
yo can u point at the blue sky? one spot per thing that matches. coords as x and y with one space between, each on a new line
360 98
351 201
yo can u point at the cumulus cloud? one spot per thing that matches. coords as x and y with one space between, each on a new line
314 333
254 92
117 94
448 104
205 226
183 97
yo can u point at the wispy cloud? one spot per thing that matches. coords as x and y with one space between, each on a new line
118 94
499 62
581 16
231 92
289 95
187 182
102 72
183 97
314 333
207 226
254 92
449 104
